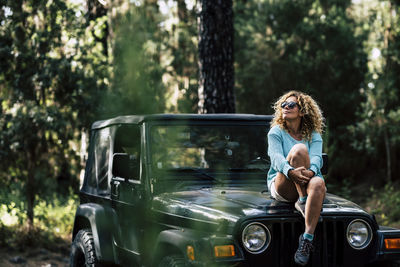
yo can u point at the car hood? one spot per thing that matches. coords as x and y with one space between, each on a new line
228 205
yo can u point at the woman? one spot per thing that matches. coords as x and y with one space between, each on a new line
295 149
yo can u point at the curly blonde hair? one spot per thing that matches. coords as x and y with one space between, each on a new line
312 119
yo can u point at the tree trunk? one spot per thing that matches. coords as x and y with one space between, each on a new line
30 195
216 81
30 190
388 156
388 36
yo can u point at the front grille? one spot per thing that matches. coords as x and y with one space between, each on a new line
329 238
329 244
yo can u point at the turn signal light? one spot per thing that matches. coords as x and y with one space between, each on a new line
224 251
190 253
392 243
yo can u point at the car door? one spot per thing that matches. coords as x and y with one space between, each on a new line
126 189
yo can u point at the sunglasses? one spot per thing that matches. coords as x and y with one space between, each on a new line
290 105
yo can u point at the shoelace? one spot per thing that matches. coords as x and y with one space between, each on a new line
306 247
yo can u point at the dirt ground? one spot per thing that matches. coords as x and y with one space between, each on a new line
37 257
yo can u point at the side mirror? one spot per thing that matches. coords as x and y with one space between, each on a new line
324 169
124 166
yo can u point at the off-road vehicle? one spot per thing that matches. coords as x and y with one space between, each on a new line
191 190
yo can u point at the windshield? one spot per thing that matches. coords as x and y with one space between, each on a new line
209 147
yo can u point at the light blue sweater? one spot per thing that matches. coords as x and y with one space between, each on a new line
279 144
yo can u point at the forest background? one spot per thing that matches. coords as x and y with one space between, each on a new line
65 64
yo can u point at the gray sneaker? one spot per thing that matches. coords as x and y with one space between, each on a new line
302 254
301 207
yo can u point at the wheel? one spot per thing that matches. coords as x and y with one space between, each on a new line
172 261
82 251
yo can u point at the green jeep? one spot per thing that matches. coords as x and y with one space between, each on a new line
190 190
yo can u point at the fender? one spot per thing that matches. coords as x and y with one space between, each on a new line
178 238
174 240
100 220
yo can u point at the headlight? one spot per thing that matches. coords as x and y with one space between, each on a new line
359 234
256 238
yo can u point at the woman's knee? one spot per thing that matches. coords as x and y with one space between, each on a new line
317 185
299 152
299 149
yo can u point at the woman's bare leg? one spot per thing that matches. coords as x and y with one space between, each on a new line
315 190
285 187
316 193
297 157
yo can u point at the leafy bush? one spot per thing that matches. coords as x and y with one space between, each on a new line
385 204
53 225
57 218
340 188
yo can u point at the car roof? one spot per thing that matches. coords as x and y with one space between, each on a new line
137 119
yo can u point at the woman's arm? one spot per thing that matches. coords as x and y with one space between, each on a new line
275 152
316 153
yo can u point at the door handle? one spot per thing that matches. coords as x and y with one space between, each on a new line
115 189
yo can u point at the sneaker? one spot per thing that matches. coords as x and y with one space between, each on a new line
301 207
302 254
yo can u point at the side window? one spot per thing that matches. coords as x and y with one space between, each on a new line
127 140
102 155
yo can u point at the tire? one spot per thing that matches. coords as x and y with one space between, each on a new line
82 250
172 261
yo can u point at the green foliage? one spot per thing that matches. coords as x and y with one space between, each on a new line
137 85
385 204
57 217
377 131
302 45
48 80
343 189
62 68
53 224
181 41
311 46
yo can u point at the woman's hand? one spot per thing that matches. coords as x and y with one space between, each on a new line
297 176
308 173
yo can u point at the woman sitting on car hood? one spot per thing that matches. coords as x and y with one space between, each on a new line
295 149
